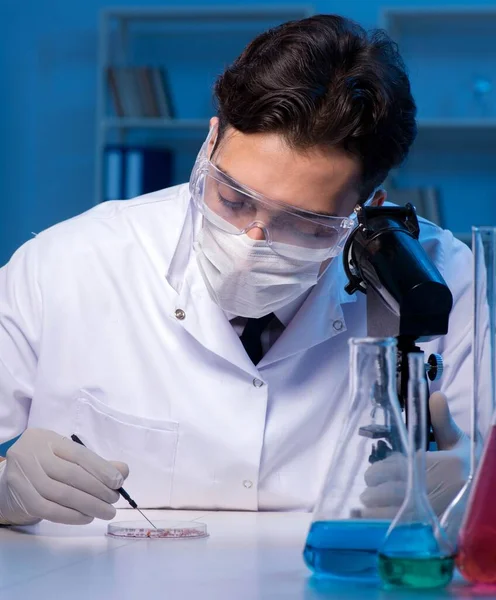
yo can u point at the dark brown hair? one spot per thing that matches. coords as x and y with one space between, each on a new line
324 81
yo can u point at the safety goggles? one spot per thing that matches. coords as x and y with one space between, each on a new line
235 208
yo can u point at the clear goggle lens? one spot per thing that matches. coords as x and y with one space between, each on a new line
235 209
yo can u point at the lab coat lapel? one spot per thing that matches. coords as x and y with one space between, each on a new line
319 319
207 322
193 309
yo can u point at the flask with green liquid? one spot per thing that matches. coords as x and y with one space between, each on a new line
416 552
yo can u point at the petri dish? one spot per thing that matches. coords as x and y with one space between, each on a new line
172 530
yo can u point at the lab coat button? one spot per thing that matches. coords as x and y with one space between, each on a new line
247 483
338 325
258 383
180 314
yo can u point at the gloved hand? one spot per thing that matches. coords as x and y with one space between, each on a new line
47 476
447 469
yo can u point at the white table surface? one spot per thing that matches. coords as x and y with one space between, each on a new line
247 556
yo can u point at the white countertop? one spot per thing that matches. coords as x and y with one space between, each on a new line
247 556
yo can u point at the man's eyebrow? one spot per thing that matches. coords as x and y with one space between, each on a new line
324 213
320 213
226 173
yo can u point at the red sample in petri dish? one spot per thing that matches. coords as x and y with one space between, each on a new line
165 530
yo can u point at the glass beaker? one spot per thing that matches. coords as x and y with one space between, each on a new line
416 552
346 533
483 355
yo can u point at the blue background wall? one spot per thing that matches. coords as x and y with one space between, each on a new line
48 59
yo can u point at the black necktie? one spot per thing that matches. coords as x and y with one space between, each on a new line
251 337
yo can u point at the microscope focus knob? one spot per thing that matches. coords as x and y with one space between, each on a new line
434 367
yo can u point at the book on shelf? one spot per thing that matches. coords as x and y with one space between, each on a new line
131 171
161 85
114 85
140 92
147 93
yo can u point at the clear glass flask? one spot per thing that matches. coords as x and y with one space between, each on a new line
416 552
346 532
484 366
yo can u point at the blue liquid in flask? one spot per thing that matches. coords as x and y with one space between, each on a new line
345 549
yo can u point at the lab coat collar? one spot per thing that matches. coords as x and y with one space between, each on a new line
318 318
288 312
183 251
203 318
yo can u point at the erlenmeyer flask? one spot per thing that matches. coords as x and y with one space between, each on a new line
484 370
416 552
345 535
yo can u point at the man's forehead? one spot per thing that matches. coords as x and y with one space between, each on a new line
266 164
243 191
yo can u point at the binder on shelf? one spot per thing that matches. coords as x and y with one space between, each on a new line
147 170
133 171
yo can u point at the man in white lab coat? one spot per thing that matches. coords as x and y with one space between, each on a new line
140 325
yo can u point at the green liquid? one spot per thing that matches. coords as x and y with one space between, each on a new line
408 571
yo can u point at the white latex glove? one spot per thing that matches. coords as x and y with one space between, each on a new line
446 469
47 476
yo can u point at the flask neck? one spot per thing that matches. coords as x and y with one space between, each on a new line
417 426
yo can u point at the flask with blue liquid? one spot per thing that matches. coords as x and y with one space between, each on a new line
346 534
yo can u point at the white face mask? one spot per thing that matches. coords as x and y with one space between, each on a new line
247 278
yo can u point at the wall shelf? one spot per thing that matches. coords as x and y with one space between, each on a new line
122 29
395 19
461 124
209 13
457 133
153 123
450 55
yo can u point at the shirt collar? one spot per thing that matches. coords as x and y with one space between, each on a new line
285 313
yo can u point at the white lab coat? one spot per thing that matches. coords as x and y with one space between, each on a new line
91 343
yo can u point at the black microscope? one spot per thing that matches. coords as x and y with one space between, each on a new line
407 297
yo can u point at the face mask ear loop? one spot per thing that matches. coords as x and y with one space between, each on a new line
214 148
214 130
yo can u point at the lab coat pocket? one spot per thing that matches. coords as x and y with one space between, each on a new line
148 446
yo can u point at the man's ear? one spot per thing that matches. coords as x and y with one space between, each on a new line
379 198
